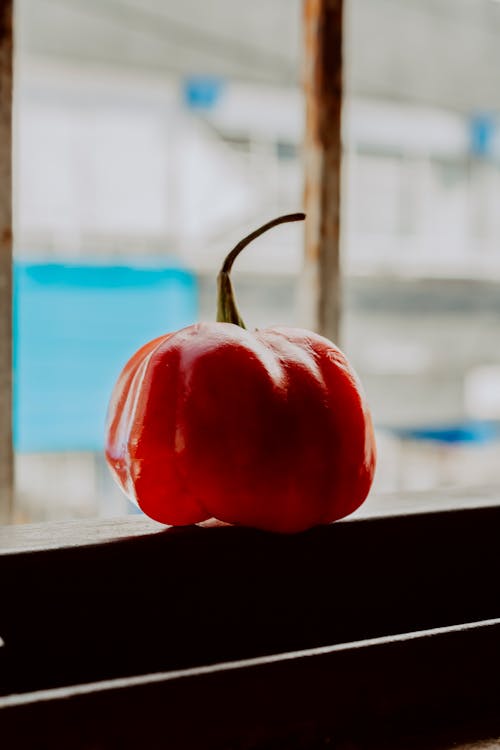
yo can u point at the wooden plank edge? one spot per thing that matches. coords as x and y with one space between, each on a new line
423 682
224 667
60 535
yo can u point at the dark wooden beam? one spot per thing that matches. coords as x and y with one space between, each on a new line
373 607
322 160
420 691
6 453
92 606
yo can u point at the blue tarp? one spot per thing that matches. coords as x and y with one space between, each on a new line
75 326
475 431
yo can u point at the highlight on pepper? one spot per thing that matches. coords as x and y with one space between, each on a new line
268 428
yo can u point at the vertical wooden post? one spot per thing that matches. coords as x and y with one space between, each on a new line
322 160
6 452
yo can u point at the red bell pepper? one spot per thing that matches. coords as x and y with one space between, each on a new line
268 428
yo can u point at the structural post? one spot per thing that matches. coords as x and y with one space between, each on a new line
322 162
6 452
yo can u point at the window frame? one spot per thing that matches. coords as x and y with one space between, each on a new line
6 450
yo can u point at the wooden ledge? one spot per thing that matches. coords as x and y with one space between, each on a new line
65 534
60 535
55 535
135 625
422 690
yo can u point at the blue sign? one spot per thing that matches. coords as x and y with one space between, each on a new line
202 92
482 133
75 326
480 432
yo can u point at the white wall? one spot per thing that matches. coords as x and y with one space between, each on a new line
112 162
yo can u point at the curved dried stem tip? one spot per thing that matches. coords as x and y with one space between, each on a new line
227 311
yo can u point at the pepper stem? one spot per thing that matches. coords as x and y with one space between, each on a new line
227 310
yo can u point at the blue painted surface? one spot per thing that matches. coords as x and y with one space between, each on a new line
482 134
479 432
75 326
202 92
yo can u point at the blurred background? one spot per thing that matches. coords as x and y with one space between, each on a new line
151 136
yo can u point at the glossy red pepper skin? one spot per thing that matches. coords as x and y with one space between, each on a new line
268 429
